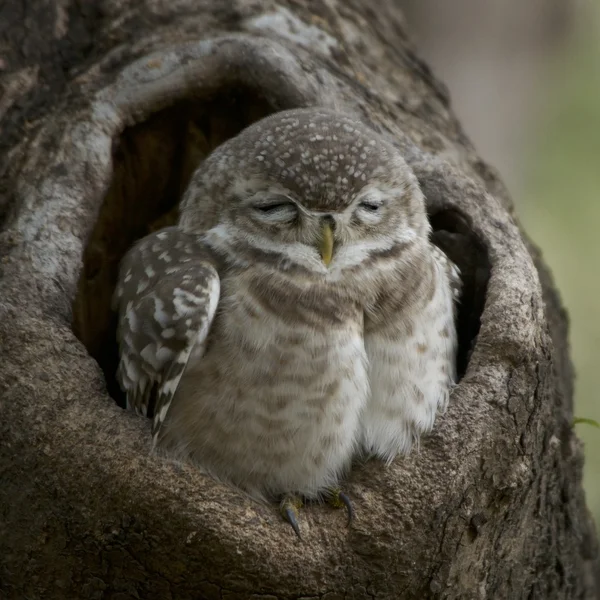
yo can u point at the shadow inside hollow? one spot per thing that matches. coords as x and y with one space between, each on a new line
452 233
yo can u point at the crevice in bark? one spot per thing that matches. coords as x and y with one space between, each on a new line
152 164
452 233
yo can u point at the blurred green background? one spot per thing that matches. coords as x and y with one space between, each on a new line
559 205
524 78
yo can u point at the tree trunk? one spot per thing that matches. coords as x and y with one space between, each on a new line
107 107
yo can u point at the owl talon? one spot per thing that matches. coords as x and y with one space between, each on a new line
289 511
344 498
339 499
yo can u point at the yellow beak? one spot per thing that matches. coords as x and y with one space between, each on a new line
326 247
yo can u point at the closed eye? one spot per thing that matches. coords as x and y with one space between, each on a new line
269 208
369 211
370 206
275 211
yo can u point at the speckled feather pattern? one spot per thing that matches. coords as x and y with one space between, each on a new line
167 295
275 368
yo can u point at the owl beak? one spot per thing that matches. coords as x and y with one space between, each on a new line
326 245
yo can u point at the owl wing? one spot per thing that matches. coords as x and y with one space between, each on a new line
166 297
411 348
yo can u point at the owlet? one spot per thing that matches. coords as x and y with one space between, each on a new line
296 316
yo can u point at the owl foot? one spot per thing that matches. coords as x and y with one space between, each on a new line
338 499
289 511
290 505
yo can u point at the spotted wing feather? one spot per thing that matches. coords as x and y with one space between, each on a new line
166 296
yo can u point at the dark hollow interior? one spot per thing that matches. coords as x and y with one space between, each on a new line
453 234
153 162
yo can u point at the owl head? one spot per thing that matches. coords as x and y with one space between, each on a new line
311 185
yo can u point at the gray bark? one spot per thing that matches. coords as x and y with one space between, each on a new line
105 112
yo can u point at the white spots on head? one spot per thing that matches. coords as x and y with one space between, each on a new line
164 256
322 156
162 235
149 271
127 277
168 333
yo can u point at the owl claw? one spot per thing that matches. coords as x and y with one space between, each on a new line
339 499
290 506
349 507
289 511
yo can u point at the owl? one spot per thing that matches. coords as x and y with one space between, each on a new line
298 314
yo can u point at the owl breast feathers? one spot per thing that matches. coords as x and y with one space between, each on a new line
297 315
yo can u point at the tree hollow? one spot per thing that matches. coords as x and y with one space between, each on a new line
490 505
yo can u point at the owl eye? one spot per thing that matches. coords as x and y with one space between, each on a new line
369 212
270 208
370 206
276 211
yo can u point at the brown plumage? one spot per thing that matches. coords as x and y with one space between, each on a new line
316 320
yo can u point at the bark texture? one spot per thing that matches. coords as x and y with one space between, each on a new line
107 107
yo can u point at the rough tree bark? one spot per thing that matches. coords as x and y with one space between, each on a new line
106 108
